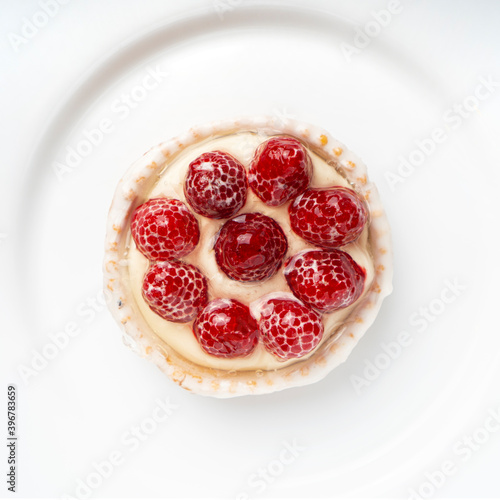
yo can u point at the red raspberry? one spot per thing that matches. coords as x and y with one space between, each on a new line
250 247
281 169
325 280
328 218
226 329
216 185
164 228
288 328
175 291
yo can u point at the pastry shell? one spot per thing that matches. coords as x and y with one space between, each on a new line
137 334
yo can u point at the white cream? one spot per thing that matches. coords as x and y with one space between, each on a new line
170 184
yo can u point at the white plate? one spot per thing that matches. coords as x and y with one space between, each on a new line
404 422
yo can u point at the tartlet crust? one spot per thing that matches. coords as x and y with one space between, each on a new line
140 178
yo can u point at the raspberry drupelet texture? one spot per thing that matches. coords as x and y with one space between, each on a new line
250 247
288 328
216 185
175 291
326 280
164 228
226 329
281 169
328 218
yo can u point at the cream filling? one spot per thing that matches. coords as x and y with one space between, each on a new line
179 336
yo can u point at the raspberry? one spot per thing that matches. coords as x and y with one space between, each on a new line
226 329
281 169
328 218
175 291
250 247
164 228
325 279
216 185
288 328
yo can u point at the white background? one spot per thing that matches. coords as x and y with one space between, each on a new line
285 58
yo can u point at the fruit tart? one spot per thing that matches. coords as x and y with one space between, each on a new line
246 256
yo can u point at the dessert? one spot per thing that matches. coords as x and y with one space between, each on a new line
247 256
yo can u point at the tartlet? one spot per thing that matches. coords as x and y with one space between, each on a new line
174 347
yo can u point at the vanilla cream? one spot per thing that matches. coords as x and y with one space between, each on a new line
179 336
